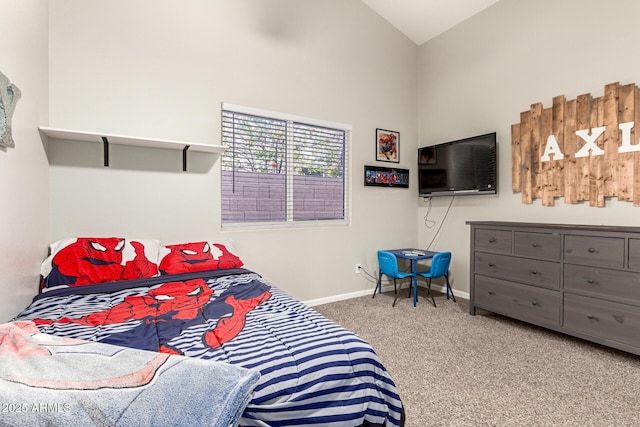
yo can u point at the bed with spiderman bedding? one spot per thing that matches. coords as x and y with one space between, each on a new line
197 301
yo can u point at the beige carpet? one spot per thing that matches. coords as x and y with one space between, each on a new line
453 369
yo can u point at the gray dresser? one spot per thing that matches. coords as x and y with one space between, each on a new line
580 280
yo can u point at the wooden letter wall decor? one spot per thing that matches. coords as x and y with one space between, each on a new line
583 149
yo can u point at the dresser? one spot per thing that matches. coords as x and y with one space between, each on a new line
577 279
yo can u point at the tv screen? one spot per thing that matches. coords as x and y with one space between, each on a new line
465 166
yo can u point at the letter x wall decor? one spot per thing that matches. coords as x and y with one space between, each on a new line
583 149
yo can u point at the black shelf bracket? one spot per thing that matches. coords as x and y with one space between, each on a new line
184 158
105 144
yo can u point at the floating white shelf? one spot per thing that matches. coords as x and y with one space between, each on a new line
107 139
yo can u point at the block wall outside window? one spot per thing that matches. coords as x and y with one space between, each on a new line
262 197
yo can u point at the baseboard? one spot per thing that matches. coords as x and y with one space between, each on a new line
385 288
334 298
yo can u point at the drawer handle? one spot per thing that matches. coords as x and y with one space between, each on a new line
535 245
534 272
492 240
591 281
491 265
491 293
591 250
534 302
590 316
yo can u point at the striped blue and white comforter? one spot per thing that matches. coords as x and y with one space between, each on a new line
312 371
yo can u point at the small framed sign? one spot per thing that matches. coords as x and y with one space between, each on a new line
387 146
386 177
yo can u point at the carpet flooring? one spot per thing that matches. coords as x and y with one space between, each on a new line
453 369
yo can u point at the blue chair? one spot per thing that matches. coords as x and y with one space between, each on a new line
389 267
439 268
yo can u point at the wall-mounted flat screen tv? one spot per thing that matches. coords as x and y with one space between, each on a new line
463 167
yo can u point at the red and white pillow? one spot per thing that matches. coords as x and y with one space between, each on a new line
82 261
197 256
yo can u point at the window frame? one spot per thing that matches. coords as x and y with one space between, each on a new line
290 222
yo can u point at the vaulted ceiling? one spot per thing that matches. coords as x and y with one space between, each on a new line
421 20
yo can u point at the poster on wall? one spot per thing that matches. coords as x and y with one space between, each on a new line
387 146
386 177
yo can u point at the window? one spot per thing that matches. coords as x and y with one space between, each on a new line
281 169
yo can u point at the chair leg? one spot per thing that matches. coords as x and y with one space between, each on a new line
395 293
378 284
429 290
453 297
400 290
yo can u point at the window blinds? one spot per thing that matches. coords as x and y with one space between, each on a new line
282 169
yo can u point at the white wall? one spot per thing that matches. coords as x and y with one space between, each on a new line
162 70
24 172
478 77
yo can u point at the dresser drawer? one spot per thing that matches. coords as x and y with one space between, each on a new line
594 251
614 283
634 254
605 319
528 303
539 245
493 240
523 270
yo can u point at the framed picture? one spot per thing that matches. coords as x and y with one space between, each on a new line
387 146
386 177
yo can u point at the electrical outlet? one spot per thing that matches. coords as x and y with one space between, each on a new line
358 267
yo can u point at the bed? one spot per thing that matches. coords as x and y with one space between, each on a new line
197 300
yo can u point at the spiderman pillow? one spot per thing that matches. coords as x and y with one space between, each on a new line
197 256
90 260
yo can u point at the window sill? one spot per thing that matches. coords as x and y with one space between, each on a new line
285 225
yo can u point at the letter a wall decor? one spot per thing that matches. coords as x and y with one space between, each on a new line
583 149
